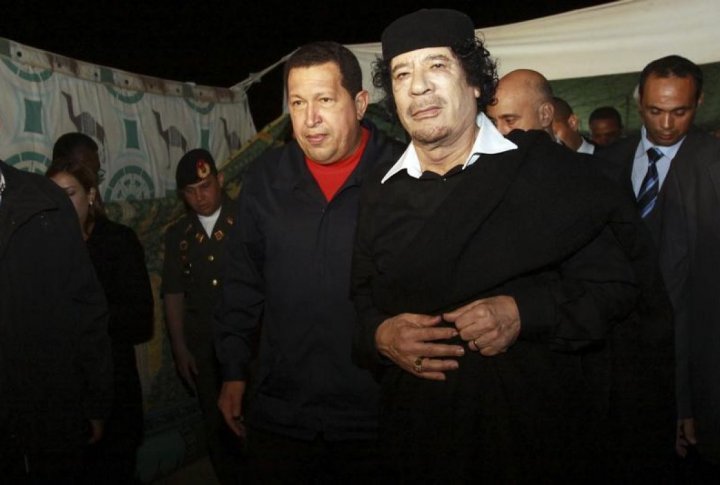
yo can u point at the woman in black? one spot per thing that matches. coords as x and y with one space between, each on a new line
119 262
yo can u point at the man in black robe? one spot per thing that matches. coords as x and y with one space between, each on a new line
507 300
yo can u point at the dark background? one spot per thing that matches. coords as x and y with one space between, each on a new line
221 43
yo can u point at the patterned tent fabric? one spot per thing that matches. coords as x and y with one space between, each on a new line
142 124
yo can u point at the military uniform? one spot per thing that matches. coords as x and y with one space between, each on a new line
194 264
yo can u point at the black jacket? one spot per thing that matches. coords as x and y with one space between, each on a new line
289 261
540 224
55 366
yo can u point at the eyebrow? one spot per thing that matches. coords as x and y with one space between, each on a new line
431 57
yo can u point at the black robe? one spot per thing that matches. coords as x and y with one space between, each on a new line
588 384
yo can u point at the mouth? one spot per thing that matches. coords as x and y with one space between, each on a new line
316 139
425 112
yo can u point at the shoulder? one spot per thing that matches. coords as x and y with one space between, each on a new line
179 227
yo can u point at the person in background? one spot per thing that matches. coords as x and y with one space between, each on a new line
119 262
605 126
192 280
523 101
566 127
55 361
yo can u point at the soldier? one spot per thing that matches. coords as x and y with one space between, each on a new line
192 274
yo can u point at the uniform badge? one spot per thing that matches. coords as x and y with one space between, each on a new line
183 245
219 235
230 220
200 237
202 169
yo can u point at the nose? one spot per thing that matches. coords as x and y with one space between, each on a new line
312 115
667 121
419 83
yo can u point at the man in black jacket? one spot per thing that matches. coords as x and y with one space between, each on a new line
55 363
498 283
311 414
677 193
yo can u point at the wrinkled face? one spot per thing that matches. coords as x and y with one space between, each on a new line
667 108
604 131
325 118
434 101
204 197
80 197
516 109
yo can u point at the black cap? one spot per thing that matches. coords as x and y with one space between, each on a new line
195 166
429 27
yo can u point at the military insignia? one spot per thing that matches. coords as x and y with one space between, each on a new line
219 235
183 245
188 229
230 220
200 237
202 168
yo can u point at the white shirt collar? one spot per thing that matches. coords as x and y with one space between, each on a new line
489 140
586 147
208 222
668 151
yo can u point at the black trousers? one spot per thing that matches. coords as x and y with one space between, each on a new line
275 459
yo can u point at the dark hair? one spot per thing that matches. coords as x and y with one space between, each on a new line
606 113
68 142
317 53
562 108
478 66
87 178
673 66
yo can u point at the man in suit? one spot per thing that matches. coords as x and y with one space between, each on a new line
676 190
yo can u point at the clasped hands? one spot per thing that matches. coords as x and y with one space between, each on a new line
489 326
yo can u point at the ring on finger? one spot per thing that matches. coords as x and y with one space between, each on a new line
418 364
475 342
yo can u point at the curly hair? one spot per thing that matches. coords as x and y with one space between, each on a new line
479 68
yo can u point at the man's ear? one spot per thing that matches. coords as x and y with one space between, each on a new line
221 178
362 99
574 122
546 113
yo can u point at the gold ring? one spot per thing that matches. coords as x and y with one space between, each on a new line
475 342
418 365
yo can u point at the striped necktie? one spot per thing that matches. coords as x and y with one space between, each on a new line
647 196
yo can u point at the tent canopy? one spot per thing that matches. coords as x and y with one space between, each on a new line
613 38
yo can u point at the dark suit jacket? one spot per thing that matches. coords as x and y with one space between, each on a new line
689 243
686 229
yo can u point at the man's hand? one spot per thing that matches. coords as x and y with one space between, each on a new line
230 404
185 364
685 436
408 340
490 325
96 430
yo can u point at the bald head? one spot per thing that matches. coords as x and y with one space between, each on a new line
523 101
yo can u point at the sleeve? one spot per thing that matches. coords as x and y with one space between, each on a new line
131 307
675 267
575 306
369 318
242 298
172 281
94 358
